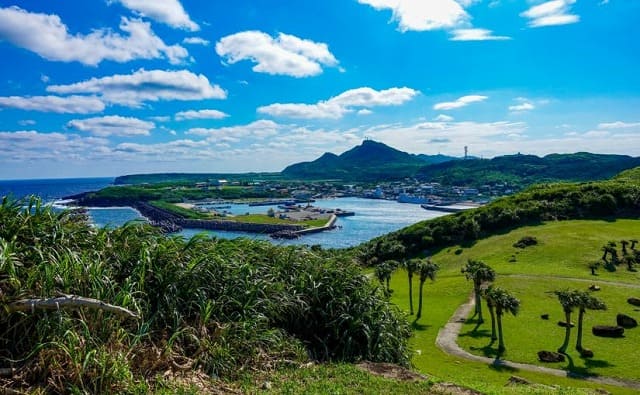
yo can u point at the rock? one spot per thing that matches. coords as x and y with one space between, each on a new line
517 380
586 353
594 287
550 356
266 385
607 331
545 316
564 324
634 301
625 321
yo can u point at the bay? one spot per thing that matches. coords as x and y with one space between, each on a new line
372 217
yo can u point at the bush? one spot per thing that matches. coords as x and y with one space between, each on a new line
525 242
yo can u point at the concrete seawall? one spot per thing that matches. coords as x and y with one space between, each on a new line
164 218
329 225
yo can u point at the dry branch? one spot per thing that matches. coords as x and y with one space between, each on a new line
68 302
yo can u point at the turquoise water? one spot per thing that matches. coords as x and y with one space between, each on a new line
373 217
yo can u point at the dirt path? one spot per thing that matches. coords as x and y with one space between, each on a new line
448 335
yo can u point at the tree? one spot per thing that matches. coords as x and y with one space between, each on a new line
479 272
594 266
569 300
585 301
488 296
411 266
633 243
383 274
427 269
271 212
624 244
503 302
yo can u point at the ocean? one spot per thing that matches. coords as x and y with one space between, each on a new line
373 217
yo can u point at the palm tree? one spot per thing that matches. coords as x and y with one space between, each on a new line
569 300
427 269
411 266
624 244
488 296
504 302
479 272
383 274
586 301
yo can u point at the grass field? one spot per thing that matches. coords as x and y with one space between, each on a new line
564 250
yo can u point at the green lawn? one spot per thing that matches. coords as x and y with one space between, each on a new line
265 219
564 249
527 333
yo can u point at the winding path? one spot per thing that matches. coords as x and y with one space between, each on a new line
448 335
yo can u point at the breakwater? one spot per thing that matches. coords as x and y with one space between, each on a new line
168 221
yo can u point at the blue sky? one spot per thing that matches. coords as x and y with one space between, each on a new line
111 87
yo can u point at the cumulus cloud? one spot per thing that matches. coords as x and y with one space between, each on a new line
523 105
112 125
196 41
142 86
282 55
257 129
49 37
29 145
459 103
619 125
423 15
476 35
56 104
200 114
169 12
338 106
443 118
551 13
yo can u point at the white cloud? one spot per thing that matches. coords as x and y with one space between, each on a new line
142 86
160 118
618 125
443 118
461 102
423 15
258 129
200 114
476 35
338 106
283 55
56 104
169 12
364 111
113 125
551 13
25 146
523 105
27 122
196 41
47 36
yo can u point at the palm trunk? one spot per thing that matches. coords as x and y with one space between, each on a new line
567 332
478 302
579 341
420 301
411 294
501 347
494 337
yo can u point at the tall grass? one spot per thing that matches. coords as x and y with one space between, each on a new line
219 306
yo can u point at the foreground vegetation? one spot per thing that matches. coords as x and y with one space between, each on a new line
219 307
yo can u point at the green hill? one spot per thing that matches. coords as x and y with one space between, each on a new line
370 161
523 170
618 197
